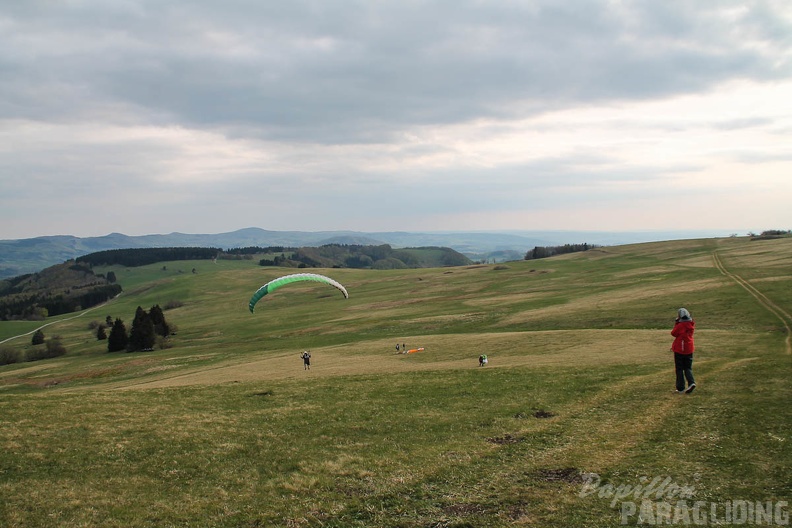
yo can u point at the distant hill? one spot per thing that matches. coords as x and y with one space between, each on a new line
55 290
30 255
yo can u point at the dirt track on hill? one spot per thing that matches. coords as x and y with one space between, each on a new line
773 308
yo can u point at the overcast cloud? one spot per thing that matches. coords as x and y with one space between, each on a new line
203 117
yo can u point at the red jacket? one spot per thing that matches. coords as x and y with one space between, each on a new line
683 332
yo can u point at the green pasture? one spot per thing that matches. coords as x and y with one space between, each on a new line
226 429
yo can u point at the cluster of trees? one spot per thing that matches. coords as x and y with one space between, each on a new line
144 256
366 257
358 256
59 289
146 328
22 308
39 305
256 250
770 233
548 251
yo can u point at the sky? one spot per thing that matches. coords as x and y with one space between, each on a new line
145 117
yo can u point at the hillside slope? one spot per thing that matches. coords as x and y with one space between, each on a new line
225 427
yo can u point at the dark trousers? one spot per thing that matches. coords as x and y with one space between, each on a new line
684 370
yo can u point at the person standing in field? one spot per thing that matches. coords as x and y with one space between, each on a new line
683 348
306 357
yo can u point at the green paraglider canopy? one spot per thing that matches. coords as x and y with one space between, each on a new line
288 279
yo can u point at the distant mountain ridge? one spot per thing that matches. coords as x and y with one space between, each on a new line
29 255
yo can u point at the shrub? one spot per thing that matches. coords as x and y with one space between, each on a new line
38 338
53 348
9 356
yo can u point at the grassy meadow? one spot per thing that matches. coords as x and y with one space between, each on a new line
226 429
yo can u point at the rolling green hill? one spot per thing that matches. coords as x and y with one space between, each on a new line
225 428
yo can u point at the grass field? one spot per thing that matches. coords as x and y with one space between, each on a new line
226 429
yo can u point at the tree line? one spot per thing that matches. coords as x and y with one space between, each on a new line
256 250
539 252
359 256
770 234
143 256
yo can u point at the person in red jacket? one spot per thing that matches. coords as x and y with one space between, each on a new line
683 351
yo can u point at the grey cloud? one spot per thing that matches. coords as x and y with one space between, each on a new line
189 110
337 72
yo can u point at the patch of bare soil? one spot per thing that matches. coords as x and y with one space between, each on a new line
569 474
508 438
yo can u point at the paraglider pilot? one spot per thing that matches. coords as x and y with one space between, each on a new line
306 357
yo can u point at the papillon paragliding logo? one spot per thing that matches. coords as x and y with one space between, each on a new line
274 284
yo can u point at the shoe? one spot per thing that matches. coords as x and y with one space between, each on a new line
690 389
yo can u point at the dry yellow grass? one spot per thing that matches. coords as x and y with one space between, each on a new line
31 369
